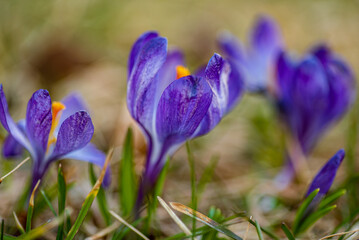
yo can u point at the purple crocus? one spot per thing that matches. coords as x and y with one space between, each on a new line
311 95
51 131
256 62
171 105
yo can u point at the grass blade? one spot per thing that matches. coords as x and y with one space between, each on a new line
61 183
302 210
16 168
89 200
204 219
287 232
206 176
18 223
192 166
258 229
31 208
102 233
174 216
265 230
128 225
41 230
101 197
47 200
127 180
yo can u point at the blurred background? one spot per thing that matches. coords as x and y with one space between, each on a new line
83 46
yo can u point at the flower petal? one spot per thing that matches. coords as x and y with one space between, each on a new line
91 154
309 92
9 124
73 103
142 83
75 133
167 73
181 108
141 41
230 46
266 38
11 147
39 120
325 177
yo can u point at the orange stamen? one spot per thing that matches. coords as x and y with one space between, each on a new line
57 108
182 71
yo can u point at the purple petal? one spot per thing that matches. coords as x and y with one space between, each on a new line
325 177
182 107
235 86
168 73
39 120
284 74
217 75
91 154
266 38
141 41
230 46
9 124
11 147
142 83
73 103
75 133
309 101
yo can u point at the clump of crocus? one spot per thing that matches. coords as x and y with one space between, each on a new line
171 105
50 131
255 62
312 94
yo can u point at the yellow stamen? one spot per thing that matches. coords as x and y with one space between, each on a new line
57 108
182 71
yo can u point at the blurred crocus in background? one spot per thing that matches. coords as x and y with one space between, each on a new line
311 95
50 131
171 105
256 61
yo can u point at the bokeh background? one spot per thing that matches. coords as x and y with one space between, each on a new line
83 45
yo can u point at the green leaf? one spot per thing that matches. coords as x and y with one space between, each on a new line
311 219
61 187
101 197
287 232
331 198
302 210
258 229
89 200
127 180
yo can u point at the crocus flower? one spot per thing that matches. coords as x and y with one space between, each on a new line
51 131
256 62
171 105
311 95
